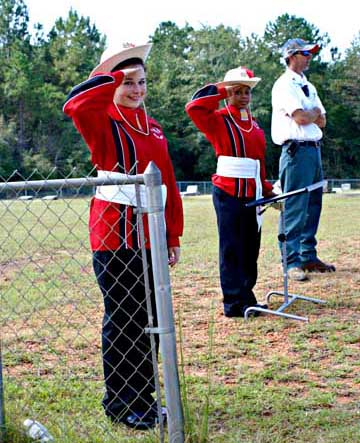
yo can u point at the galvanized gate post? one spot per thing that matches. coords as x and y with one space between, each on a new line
166 328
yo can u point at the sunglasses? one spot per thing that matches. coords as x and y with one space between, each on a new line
303 53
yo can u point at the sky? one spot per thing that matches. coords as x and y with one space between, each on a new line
138 19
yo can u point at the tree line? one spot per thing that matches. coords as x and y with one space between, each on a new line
38 70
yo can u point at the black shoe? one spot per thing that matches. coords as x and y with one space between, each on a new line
253 313
143 421
234 313
140 421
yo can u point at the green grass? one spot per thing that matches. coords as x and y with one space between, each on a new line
261 381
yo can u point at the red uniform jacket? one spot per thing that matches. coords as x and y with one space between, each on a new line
229 139
115 146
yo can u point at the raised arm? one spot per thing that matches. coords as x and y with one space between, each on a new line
201 109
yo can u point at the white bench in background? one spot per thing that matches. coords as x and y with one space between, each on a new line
50 197
190 190
344 188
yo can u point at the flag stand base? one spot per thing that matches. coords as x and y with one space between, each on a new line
289 299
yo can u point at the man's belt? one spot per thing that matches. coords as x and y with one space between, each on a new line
302 143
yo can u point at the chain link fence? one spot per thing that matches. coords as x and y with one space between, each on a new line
332 185
56 348
343 185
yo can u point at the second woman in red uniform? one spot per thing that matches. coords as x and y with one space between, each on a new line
239 145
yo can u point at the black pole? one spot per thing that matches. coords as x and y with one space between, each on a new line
264 201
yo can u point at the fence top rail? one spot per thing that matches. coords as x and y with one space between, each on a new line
71 182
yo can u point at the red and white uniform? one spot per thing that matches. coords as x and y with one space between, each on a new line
228 139
117 147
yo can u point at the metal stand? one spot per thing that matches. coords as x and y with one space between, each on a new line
2 408
288 298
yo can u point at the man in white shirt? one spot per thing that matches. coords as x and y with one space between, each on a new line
297 118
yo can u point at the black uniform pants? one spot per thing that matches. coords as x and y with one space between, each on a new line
239 244
126 348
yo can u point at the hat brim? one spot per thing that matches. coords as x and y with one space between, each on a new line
251 82
107 65
311 48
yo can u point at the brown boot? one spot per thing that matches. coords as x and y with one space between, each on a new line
317 266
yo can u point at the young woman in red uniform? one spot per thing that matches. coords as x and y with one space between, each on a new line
239 145
107 111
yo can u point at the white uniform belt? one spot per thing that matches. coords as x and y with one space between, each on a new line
241 167
236 167
124 194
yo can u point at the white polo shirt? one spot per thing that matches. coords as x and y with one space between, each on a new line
287 97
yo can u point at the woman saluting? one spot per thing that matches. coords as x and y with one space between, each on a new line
107 110
239 145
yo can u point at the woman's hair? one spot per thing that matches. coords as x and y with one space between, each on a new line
128 62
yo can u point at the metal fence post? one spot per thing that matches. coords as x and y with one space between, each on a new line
166 329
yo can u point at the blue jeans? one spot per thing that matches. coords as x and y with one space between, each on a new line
302 212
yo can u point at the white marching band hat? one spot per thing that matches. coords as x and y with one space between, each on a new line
112 56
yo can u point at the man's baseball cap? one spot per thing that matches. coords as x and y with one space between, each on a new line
298 44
